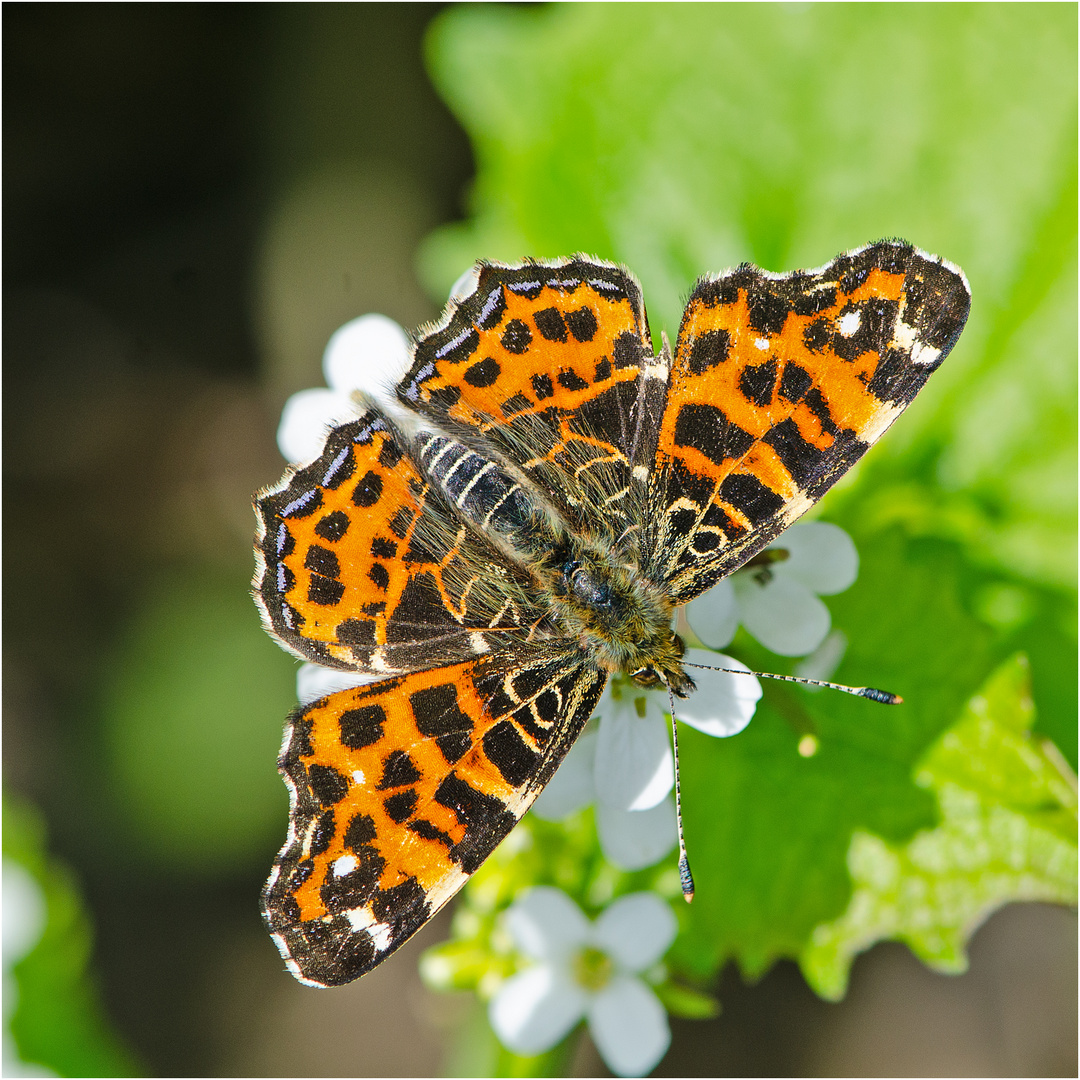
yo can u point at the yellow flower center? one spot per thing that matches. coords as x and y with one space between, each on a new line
593 968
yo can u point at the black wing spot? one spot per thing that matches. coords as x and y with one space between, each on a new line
361 831
517 337
582 323
333 527
400 807
628 350
356 632
758 383
362 727
486 373
551 324
399 770
767 311
571 380
708 350
322 560
794 382
327 784
369 490
750 496
707 429
542 387
324 591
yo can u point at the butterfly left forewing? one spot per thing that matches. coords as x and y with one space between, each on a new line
780 383
399 790
549 365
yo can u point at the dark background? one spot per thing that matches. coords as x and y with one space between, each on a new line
195 197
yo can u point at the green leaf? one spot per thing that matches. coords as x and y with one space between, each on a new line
769 830
1007 832
687 1003
58 1020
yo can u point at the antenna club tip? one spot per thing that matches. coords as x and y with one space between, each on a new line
881 696
686 879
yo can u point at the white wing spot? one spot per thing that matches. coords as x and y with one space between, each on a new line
358 776
924 354
345 865
641 472
381 935
479 643
904 337
761 343
360 918
849 324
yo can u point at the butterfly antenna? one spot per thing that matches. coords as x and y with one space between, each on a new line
686 879
882 696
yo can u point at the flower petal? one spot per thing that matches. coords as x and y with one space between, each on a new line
634 766
635 930
714 616
634 839
784 615
307 418
629 1026
723 704
313 681
536 1008
572 786
370 354
821 556
465 285
546 924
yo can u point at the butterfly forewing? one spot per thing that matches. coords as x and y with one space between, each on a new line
546 363
400 790
780 383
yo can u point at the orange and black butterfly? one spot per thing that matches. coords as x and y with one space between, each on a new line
526 524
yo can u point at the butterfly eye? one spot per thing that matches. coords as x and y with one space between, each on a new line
645 676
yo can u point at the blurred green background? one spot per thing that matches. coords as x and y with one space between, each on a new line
196 196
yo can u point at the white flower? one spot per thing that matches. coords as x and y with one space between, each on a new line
25 913
625 765
775 600
590 971
369 354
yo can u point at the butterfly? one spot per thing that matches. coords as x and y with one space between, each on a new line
524 522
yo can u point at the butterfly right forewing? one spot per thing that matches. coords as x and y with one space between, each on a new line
780 383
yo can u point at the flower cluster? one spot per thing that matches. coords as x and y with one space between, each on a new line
568 968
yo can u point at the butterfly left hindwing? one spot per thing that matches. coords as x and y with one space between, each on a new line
399 790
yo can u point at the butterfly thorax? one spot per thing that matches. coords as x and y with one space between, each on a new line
594 592
621 621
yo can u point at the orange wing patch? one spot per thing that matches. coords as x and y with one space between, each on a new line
400 790
364 566
781 383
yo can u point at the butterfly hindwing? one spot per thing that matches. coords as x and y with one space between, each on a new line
400 789
780 383
364 566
